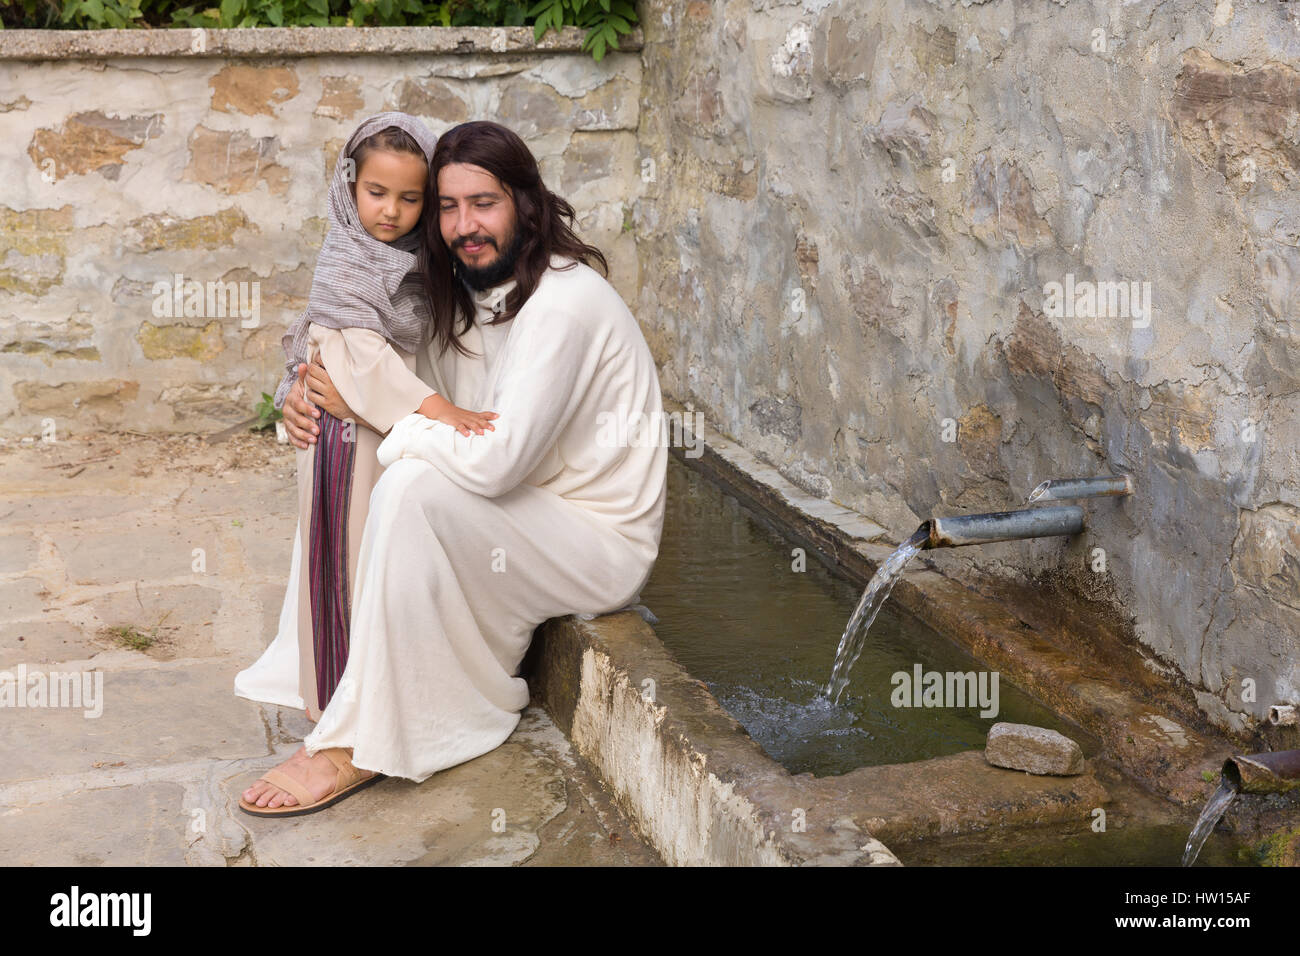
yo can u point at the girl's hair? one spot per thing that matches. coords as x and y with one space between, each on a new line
394 139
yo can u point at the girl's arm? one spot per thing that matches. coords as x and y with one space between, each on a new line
371 378
320 391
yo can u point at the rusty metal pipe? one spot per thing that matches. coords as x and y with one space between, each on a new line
1004 526
1065 489
1284 715
1274 772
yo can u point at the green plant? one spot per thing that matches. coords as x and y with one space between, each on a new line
1209 776
130 636
604 20
267 413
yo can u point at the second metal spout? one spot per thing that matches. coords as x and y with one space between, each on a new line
1004 526
1064 489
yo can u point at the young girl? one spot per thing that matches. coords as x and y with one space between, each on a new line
367 317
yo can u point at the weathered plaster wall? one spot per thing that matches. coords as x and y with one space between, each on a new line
851 215
122 171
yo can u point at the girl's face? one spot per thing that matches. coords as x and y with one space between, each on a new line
390 193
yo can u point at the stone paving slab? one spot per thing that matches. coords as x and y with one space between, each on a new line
45 643
169 713
21 599
17 552
153 550
97 533
142 825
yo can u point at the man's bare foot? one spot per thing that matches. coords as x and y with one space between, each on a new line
257 789
316 773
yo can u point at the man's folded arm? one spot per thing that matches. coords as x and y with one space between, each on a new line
546 372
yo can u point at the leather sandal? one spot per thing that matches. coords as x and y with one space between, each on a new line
348 781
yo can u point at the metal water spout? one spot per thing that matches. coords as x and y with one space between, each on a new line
1028 522
1066 489
1004 526
1274 772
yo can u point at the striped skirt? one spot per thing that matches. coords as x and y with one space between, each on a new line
327 563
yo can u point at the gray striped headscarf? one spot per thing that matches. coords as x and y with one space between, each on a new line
360 281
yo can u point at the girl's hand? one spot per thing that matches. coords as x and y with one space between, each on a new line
441 410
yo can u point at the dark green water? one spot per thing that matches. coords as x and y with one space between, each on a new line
1148 844
763 636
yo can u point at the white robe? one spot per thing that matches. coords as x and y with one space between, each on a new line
473 541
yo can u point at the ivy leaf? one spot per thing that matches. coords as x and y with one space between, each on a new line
548 13
595 43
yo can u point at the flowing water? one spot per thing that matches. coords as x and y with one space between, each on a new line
864 615
1214 810
757 622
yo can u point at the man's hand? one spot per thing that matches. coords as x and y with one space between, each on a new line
299 414
321 391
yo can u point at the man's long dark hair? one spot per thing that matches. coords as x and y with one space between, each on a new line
543 224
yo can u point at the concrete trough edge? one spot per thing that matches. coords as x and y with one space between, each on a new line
683 770
701 792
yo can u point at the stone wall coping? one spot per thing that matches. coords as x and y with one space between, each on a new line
290 42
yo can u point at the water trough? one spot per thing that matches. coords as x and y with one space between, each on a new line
702 791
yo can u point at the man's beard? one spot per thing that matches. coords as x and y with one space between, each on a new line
498 271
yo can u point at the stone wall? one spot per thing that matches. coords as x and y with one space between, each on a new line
137 157
854 223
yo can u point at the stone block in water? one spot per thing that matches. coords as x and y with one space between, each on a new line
1033 750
